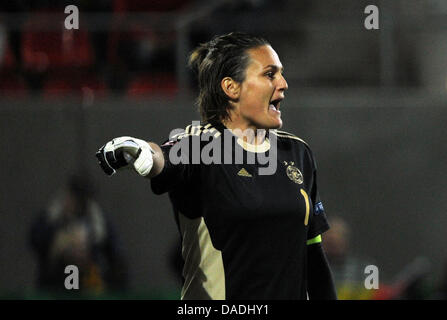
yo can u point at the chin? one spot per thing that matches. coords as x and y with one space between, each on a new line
276 125
279 126
269 124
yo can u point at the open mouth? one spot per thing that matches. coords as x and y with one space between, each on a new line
274 104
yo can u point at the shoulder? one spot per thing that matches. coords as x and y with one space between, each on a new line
194 129
286 136
289 141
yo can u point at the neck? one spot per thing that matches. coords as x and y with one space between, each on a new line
246 132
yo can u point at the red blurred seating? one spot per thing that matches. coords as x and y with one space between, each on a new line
71 83
58 87
149 84
149 5
7 59
54 47
13 85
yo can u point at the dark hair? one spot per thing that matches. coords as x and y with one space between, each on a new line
223 56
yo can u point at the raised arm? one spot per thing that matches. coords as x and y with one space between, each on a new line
146 157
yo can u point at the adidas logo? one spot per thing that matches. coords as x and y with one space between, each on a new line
244 173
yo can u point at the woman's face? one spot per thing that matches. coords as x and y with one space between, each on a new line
262 90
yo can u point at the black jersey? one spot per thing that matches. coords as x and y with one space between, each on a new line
244 233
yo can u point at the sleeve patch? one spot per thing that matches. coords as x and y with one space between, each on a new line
318 208
317 239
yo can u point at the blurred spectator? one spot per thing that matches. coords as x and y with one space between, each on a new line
348 269
73 230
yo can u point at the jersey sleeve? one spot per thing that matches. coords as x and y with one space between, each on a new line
179 166
318 222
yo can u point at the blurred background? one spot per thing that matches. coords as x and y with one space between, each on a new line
371 104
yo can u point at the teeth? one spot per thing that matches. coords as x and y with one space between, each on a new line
272 106
275 103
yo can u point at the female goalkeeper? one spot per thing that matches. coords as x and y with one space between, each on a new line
244 193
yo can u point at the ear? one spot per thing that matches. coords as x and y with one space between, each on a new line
231 88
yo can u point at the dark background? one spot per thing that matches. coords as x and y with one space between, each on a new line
371 104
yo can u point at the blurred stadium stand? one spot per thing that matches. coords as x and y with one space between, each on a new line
122 39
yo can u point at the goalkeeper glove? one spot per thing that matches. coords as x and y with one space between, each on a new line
120 152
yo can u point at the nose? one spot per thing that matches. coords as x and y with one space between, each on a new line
282 85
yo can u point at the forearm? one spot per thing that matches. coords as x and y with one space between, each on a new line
159 160
320 283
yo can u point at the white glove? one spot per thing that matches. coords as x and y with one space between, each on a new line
120 152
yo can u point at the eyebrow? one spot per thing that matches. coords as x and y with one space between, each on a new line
274 67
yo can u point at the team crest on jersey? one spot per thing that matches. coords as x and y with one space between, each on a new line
294 173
